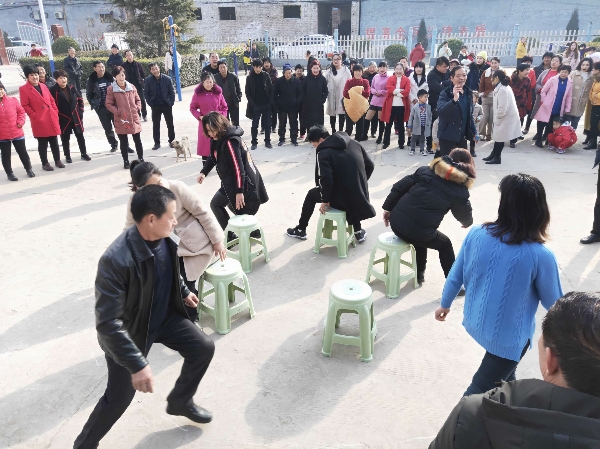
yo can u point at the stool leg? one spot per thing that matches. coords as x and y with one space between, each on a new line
350 230
318 234
328 229
248 295
364 323
200 295
245 258
337 317
371 260
231 293
264 244
386 261
329 330
413 255
223 320
342 239
392 285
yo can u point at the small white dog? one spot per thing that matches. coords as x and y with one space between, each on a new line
181 147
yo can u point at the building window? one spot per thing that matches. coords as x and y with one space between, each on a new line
106 18
291 12
227 13
198 13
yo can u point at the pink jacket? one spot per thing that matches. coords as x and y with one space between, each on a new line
547 97
11 115
378 86
125 105
203 102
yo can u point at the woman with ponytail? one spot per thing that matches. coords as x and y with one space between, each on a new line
507 124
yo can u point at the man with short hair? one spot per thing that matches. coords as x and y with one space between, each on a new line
341 177
232 92
35 52
288 95
437 80
114 59
299 75
213 67
455 110
545 64
134 73
72 66
272 72
259 92
159 92
95 92
140 298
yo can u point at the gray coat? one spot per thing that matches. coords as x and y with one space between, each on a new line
414 121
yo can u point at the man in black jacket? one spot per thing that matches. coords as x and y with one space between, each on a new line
135 75
95 92
140 298
560 411
232 92
72 66
341 174
259 92
114 59
437 80
288 96
159 92
213 67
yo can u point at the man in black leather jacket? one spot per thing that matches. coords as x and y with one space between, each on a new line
140 299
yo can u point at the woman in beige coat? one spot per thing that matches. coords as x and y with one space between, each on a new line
197 227
582 83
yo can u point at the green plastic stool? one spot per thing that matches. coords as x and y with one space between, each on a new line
325 229
394 247
350 296
222 275
243 225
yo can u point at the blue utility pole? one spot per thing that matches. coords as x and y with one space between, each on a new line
175 61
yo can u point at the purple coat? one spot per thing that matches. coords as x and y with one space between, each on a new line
378 85
203 102
548 95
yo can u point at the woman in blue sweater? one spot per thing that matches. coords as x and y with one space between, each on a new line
507 271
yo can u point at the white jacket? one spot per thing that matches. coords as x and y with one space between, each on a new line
507 125
169 61
335 86
414 89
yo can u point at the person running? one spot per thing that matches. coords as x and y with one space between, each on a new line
555 101
95 92
336 77
136 76
314 95
520 272
288 95
396 106
259 92
160 95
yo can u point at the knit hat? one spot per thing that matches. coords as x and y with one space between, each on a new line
482 54
287 66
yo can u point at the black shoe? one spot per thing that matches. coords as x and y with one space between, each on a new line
113 148
473 153
12 177
539 144
385 145
295 143
262 131
521 138
69 160
495 161
489 158
430 151
378 141
268 145
144 118
30 173
85 157
590 146
231 236
191 411
373 136
586 141
255 234
253 147
156 146
592 238
126 165
461 292
297 233
535 136
401 146
360 236
141 159
130 150
420 278
525 131
280 144
512 145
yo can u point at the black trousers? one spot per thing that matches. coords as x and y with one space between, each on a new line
302 124
140 91
396 114
124 144
594 121
497 150
66 142
218 205
446 146
283 119
21 150
273 115
261 111
313 197
157 112
191 284
342 120
545 128
76 81
372 124
360 127
106 119
233 114
440 242
43 148
179 334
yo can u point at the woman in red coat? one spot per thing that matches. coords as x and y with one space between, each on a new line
417 54
12 117
396 105
43 113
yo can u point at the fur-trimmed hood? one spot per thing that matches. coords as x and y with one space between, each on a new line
447 169
199 90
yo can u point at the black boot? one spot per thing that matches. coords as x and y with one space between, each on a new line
67 153
11 177
472 150
490 157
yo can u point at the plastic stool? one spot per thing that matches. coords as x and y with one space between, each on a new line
325 229
350 296
243 225
394 247
221 275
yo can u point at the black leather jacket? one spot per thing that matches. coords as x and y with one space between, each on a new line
124 293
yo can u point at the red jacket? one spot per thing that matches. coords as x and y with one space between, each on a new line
11 115
36 53
352 82
564 137
41 109
417 54
390 86
530 96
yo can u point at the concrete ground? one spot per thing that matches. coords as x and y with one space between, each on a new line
268 385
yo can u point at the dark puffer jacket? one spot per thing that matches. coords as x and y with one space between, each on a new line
419 202
523 414
288 94
314 95
237 171
92 91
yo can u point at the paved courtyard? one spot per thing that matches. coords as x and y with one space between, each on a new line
268 385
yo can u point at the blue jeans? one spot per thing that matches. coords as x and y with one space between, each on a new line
263 110
492 370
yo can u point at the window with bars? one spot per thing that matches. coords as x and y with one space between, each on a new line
227 13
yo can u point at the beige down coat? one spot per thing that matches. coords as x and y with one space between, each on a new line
197 227
507 124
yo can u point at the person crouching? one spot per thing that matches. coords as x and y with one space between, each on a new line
563 136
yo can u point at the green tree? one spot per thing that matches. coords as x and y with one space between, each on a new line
573 25
61 45
422 35
145 32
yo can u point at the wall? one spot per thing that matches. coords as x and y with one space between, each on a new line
379 16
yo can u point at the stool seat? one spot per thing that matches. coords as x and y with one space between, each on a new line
246 222
243 226
222 275
393 247
350 296
325 227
